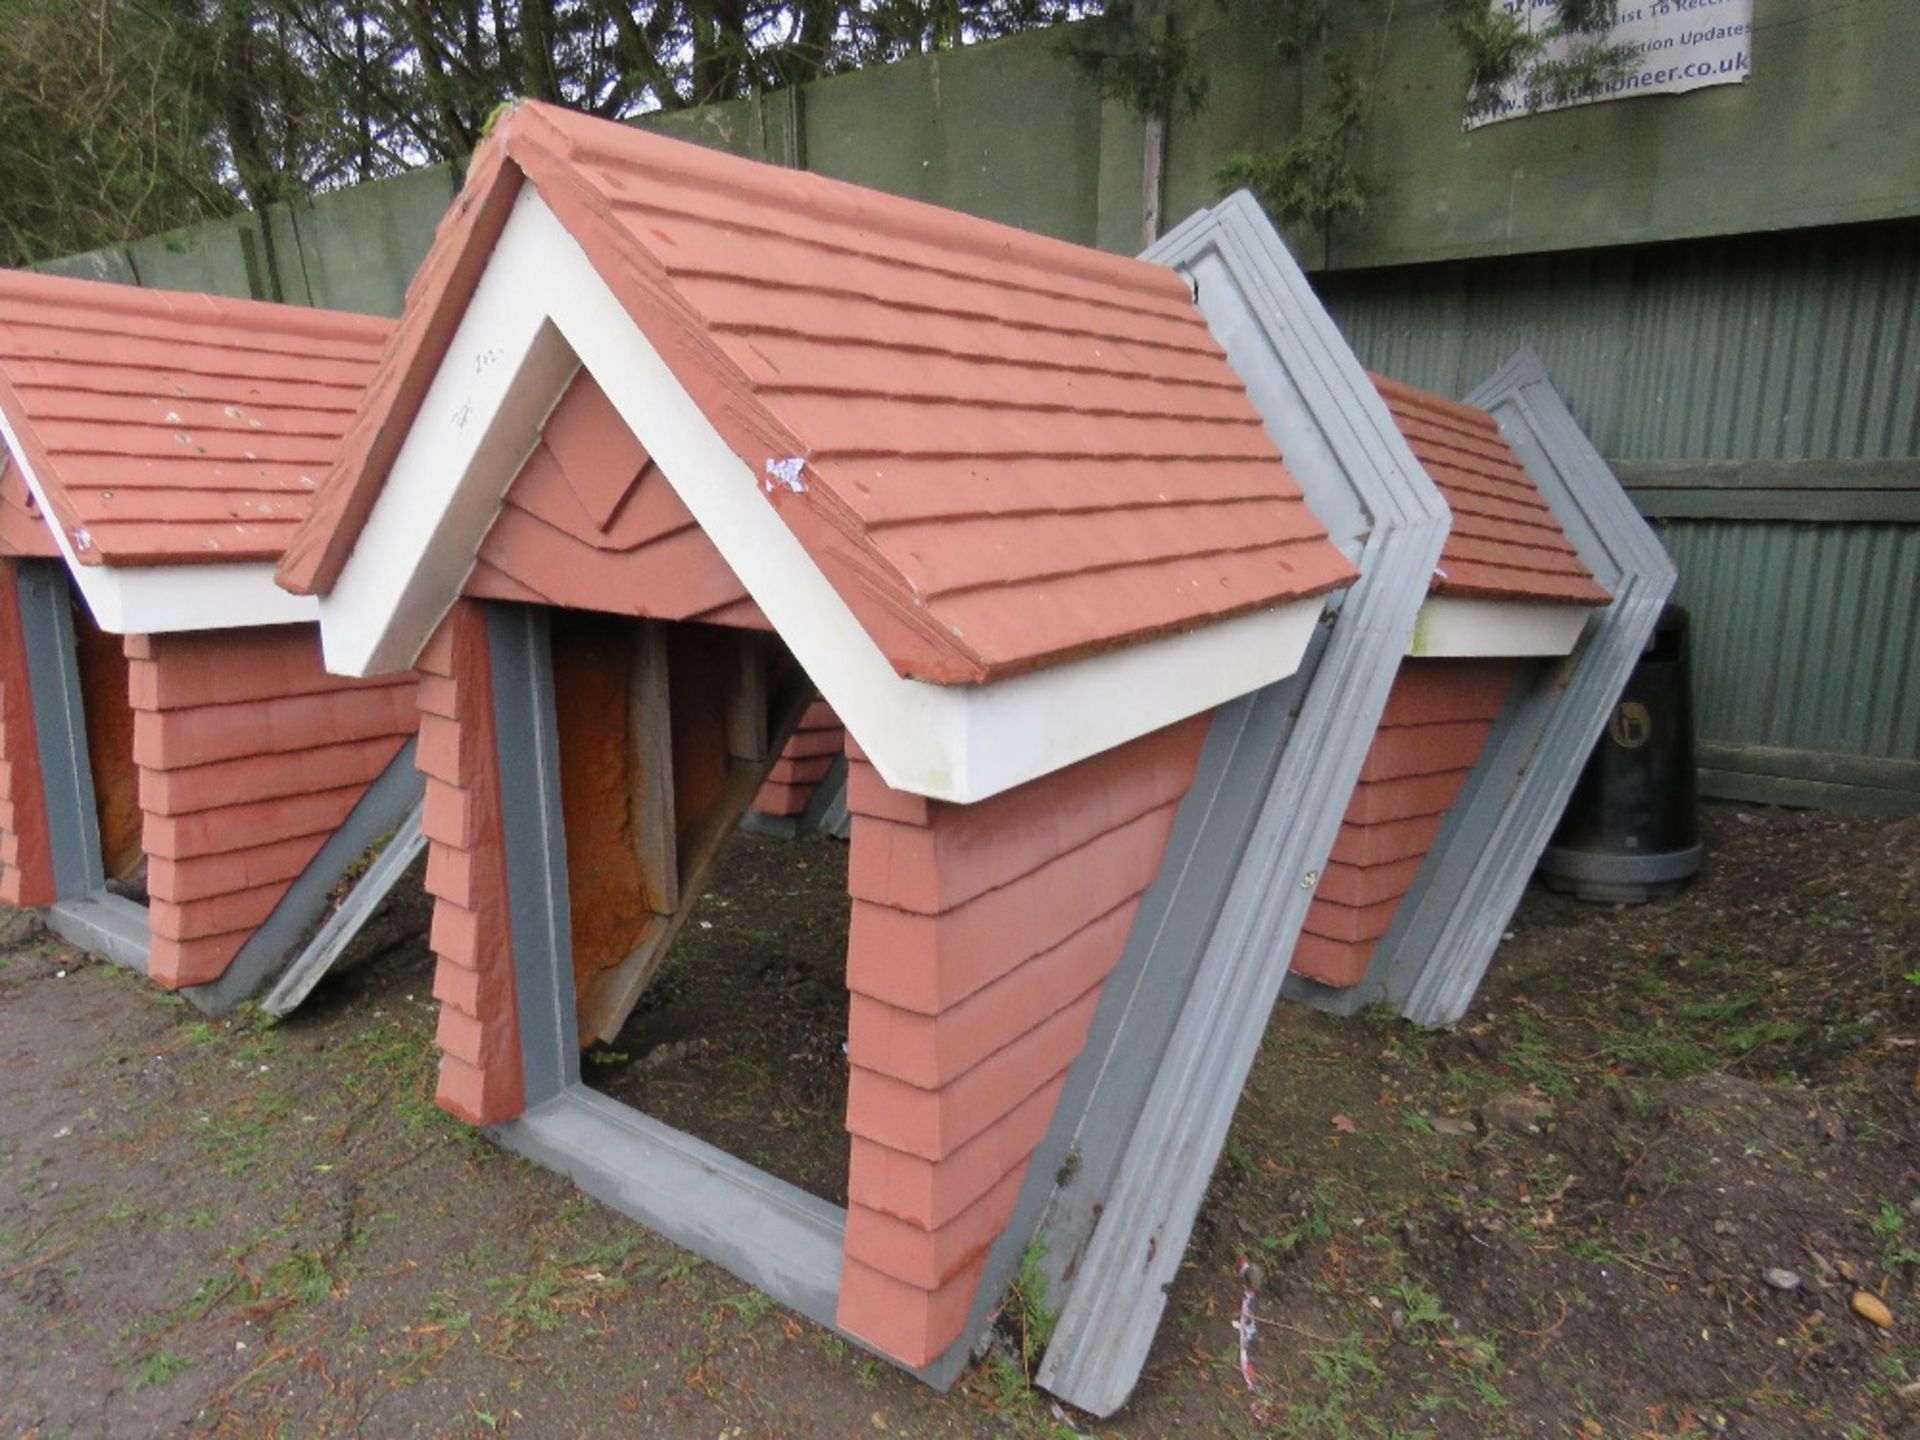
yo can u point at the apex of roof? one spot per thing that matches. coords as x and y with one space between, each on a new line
1506 543
1002 451
164 428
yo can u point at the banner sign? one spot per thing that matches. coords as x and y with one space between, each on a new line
1683 44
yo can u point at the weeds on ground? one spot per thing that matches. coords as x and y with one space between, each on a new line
395 1067
749 1308
299 1278
1889 1227
158 1367
1027 1305
556 1288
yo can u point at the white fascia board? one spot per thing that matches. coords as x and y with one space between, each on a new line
539 309
477 423
1455 628
165 599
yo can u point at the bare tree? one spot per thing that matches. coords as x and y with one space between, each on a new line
106 137
176 110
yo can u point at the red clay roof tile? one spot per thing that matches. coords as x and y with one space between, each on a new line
1506 543
1018 450
169 428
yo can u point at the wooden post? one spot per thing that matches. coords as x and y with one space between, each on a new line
612 993
650 733
747 705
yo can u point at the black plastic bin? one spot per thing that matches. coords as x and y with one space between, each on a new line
1631 832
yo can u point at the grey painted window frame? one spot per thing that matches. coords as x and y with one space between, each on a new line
780 1239
84 913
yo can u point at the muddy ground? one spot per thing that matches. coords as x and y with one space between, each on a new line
1557 1221
741 1037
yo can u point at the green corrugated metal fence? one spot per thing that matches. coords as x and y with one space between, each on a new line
1761 396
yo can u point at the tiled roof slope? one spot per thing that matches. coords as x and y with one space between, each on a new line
1017 450
169 428
1505 543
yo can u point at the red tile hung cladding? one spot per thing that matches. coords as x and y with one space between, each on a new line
980 940
171 428
251 755
804 763
1505 542
26 862
1436 722
479 1032
590 523
23 526
1017 450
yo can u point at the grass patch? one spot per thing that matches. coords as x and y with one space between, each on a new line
396 1067
1532 1057
239 1138
541 1300
160 1367
1027 1307
1715 1010
1670 1057
1767 1032
1889 1227
302 1277
751 1308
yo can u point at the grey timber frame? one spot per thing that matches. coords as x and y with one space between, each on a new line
104 924
59 720
1181 1021
835 819
384 808
771 1234
296 982
85 913
1429 964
